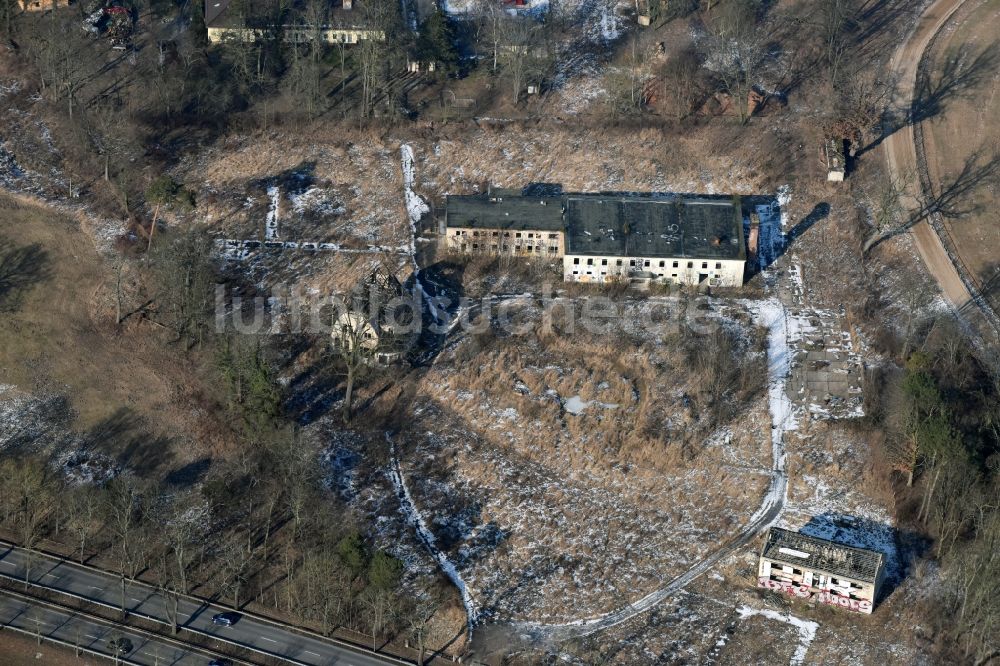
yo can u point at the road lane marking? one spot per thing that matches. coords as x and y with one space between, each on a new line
270 640
311 652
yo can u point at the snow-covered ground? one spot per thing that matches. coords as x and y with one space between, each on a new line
81 467
416 208
316 200
533 515
235 249
773 315
806 629
36 422
42 424
416 520
576 405
312 201
271 221
333 190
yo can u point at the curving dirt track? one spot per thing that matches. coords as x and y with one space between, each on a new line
901 156
969 123
773 315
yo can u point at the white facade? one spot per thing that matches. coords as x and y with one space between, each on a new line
522 243
351 328
692 272
221 34
598 237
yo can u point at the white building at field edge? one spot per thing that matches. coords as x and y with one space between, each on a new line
227 21
638 238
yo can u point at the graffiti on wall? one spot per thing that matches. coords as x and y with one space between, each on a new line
824 597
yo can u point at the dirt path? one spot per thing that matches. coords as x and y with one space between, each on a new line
416 520
772 315
901 155
968 123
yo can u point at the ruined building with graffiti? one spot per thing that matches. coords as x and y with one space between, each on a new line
821 571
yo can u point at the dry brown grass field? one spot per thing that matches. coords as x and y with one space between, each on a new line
564 472
20 650
61 340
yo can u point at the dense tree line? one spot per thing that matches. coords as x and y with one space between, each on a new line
941 418
261 528
258 526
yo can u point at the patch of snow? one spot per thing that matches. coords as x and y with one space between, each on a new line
9 88
82 467
609 24
317 200
807 629
413 517
771 314
784 196
416 208
771 241
576 405
271 221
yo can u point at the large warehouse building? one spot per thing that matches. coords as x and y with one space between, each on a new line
607 237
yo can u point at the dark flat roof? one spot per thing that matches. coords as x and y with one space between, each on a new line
625 225
637 226
823 555
505 210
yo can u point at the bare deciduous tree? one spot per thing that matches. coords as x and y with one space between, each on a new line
354 350
862 101
681 82
84 508
305 72
125 516
29 500
57 51
374 54
520 51
736 51
835 22
236 562
183 533
419 620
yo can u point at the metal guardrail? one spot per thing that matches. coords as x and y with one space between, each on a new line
358 649
143 616
97 619
67 645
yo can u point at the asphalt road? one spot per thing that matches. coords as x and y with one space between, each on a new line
265 637
92 634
